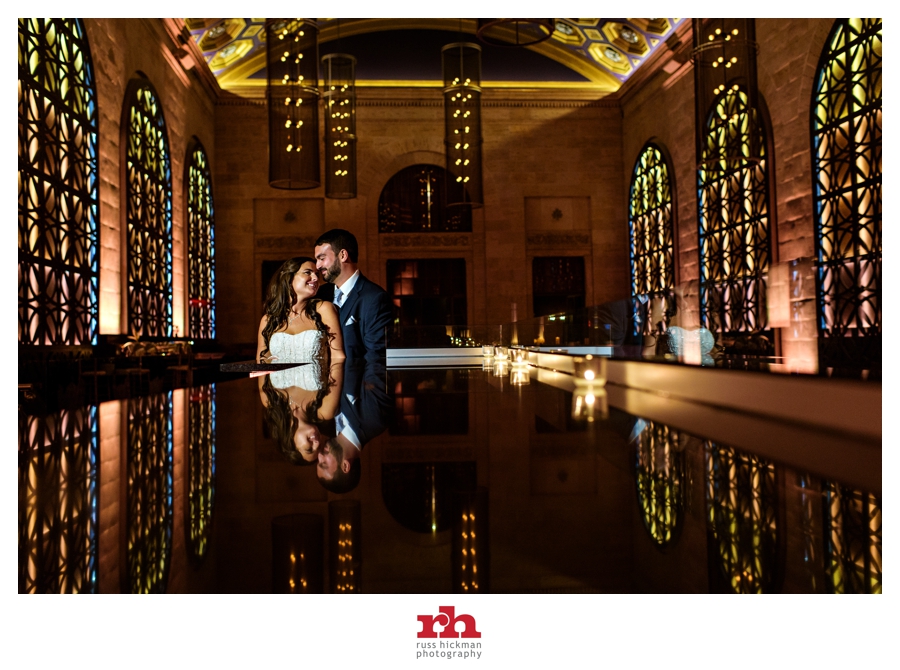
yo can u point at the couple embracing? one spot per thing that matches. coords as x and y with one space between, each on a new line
296 323
298 327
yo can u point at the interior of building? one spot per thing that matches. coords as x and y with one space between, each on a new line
507 180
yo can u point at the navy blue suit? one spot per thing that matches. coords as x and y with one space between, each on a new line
365 317
369 412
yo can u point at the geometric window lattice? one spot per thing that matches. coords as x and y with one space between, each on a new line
846 147
149 494
733 196
650 225
415 201
148 189
201 247
58 201
58 531
660 481
852 540
742 499
201 470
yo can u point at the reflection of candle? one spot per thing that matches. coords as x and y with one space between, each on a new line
501 368
519 374
589 402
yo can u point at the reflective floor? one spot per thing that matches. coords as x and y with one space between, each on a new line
481 482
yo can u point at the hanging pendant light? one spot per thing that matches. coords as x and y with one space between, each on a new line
725 77
514 32
292 53
339 93
462 123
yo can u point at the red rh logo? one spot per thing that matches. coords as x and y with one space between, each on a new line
448 620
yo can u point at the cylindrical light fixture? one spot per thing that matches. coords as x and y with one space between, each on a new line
298 553
725 76
462 123
339 93
292 53
514 32
345 548
470 546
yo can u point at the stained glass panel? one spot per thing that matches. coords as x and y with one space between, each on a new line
58 507
201 247
650 225
852 540
741 503
149 494
201 472
734 240
58 200
846 138
148 189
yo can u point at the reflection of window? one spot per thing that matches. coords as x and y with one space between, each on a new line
430 402
148 204
201 246
852 540
419 496
58 468
742 501
149 493
415 201
650 227
58 203
201 469
846 138
557 284
660 480
734 219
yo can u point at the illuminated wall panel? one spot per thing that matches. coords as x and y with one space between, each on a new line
148 195
58 201
201 246
650 224
846 140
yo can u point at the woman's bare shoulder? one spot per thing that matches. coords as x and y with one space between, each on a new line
324 307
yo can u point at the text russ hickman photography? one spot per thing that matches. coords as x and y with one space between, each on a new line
450 642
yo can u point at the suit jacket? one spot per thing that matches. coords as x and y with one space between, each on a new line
365 318
617 320
370 410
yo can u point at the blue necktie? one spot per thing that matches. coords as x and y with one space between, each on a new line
338 297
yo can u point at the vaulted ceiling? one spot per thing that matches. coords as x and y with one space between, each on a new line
593 54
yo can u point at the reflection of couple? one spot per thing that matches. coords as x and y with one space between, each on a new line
299 328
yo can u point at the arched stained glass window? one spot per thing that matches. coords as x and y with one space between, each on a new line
201 470
201 246
852 540
742 505
660 480
148 196
149 493
58 201
735 243
58 485
415 201
846 139
650 224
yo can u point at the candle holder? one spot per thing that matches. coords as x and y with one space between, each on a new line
501 353
487 350
501 367
590 369
589 403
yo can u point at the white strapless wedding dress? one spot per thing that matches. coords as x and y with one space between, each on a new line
305 347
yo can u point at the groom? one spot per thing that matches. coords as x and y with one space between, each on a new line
363 306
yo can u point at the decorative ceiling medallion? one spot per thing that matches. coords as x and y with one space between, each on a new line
636 46
568 34
610 57
221 34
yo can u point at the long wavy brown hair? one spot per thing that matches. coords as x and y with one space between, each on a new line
280 298
282 422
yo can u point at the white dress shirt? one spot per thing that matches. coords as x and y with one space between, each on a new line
345 288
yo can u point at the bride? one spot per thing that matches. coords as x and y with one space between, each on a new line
296 327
